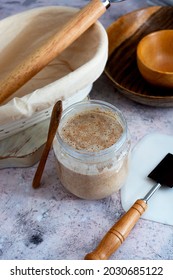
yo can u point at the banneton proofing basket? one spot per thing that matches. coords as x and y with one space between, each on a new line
69 77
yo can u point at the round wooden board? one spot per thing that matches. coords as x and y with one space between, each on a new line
124 35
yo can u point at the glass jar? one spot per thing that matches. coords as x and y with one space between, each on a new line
92 172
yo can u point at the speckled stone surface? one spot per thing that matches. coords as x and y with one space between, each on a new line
50 223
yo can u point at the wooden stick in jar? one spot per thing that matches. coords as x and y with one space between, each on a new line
51 48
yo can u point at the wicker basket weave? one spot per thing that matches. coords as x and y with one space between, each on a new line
69 77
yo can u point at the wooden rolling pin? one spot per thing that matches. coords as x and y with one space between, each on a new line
118 233
37 60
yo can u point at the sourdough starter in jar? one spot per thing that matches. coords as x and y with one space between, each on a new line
92 149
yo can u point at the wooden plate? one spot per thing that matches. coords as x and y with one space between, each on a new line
124 35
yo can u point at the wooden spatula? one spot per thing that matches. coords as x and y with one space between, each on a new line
53 126
163 176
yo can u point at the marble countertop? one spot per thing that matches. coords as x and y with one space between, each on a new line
50 223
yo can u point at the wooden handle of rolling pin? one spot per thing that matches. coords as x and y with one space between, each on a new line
117 234
51 48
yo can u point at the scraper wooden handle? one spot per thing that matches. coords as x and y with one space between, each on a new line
51 48
118 233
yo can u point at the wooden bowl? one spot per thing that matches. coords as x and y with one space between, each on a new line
124 35
155 58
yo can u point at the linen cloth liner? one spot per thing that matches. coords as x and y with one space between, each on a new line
74 69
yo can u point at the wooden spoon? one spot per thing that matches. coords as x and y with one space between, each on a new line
54 123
